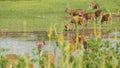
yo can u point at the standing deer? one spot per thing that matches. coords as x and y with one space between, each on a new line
98 13
106 18
89 16
94 5
75 12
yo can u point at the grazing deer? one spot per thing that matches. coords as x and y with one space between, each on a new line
106 18
94 5
75 20
75 12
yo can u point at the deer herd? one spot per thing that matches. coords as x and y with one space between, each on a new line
79 16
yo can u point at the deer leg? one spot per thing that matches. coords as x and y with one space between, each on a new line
96 20
67 26
106 22
74 27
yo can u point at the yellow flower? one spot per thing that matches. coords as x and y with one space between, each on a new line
95 31
114 66
115 37
115 62
68 49
50 32
60 39
24 25
77 35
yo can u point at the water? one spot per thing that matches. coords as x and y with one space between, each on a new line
17 46
21 44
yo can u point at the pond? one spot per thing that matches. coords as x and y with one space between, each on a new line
20 44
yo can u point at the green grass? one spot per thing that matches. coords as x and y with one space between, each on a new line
40 15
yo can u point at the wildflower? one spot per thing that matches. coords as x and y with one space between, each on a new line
115 37
60 39
50 32
24 25
115 62
68 49
77 35
95 31
114 66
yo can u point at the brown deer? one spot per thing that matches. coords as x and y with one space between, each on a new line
40 45
75 12
12 59
89 15
48 56
106 18
75 20
82 41
94 5
98 13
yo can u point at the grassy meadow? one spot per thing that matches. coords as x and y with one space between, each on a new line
40 15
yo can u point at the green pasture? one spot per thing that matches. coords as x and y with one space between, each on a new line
40 15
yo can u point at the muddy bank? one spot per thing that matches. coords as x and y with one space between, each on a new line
85 31
43 34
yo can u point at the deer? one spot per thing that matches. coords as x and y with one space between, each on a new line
48 56
93 15
98 13
94 5
76 20
106 18
89 16
75 12
12 59
82 41
40 45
